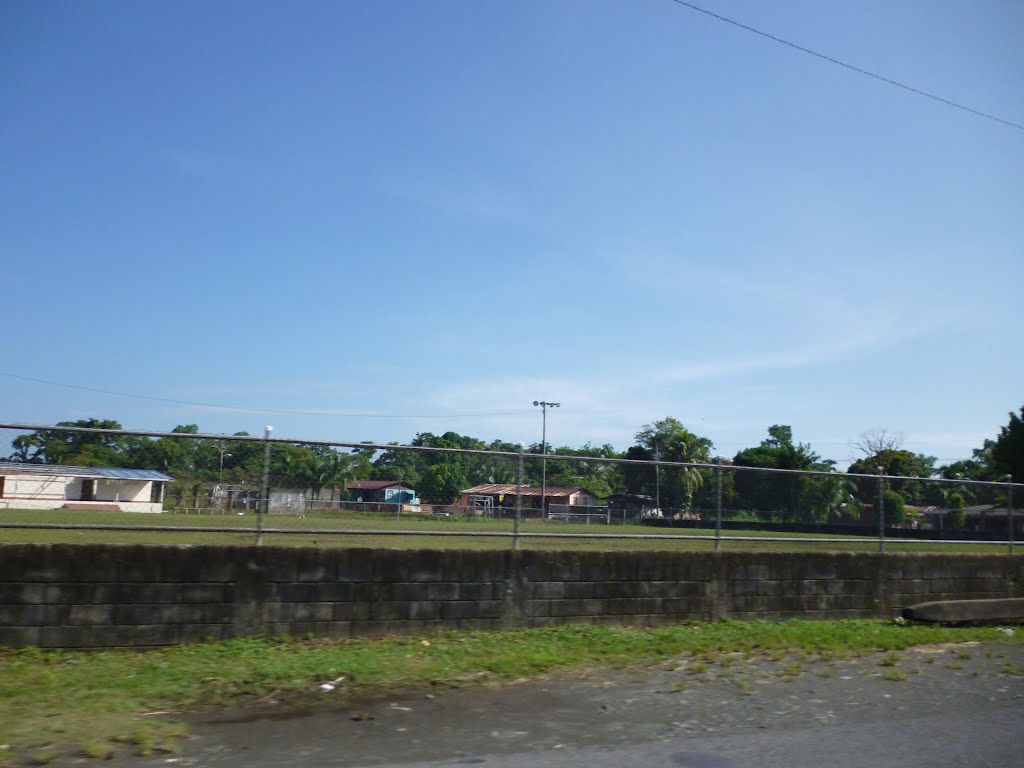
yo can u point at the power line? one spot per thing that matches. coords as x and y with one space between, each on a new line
840 63
265 410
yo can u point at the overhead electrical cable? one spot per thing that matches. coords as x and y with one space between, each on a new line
840 63
265 410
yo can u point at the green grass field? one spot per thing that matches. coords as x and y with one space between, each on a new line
661 538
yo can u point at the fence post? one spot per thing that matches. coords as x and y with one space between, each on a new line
718 510
881 510
265 501
519 500
1009 508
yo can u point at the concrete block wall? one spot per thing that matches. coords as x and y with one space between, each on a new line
91 596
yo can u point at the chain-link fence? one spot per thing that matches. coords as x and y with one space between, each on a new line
95 470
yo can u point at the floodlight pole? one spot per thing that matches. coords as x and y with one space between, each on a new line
544 451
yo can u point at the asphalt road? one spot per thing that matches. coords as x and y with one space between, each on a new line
957 706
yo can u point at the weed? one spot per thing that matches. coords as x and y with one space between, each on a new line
744 685
954 665
43 756
791 670
100 750
890 660
961 654
894 674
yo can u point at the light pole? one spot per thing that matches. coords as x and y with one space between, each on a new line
221 448
543 450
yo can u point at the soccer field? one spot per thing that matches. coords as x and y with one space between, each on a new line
377 531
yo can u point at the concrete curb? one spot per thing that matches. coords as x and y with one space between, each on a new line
1003 611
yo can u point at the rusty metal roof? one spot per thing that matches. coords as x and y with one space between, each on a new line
376 485
509 489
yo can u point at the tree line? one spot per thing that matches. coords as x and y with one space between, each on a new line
440 478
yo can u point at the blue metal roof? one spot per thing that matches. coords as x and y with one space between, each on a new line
106 473
131 474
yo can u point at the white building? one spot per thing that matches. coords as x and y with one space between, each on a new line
50 486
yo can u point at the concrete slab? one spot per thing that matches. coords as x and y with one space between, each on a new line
1008 611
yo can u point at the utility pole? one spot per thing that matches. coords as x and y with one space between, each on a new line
544 451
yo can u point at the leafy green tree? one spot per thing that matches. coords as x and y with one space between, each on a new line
895 507
668 440
601 478
895 462
443 483
790 498
1008 448
75 448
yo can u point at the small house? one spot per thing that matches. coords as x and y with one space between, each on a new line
52 486
382 491
491 495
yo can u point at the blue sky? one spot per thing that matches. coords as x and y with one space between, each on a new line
412 216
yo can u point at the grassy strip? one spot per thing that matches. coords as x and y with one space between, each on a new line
89 701
358 521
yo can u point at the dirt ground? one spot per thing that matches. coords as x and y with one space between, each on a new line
676 713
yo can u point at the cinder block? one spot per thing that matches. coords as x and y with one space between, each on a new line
200 633
90 614
422 565
278 613
424 610
744 588
64 637
14 562
385 591
19 637
150 593
478 591
35 615
310 568
353 612
569 608
143 614
443 591
315 612
357 565
566 566
389 611
287 593
280 564
23 594
81 594
548 590
333 592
